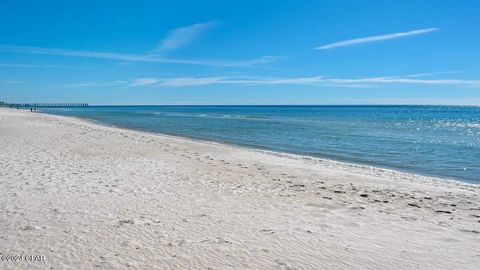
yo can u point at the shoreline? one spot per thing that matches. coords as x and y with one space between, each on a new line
82 193
247 147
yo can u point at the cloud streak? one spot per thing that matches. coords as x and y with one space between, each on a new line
310 81
89 84
192 81
180 37
315 81
357 41
144 81
134 57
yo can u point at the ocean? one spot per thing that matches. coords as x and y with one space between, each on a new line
442 141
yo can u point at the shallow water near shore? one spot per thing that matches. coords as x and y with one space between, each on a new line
441 141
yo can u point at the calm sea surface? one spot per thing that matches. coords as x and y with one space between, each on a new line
441 141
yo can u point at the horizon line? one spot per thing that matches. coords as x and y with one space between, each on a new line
204 105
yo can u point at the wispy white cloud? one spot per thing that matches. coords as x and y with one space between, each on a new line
182 36
356 41
416 75
90 84
372 80
171 82
312 81
175 39
191 81
144 81
177 81
135 57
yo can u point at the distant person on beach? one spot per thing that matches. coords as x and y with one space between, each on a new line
31 109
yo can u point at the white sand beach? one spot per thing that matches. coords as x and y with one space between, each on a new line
88 196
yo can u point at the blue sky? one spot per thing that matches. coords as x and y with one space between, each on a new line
240 52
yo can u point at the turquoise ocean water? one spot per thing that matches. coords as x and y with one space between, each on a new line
440 141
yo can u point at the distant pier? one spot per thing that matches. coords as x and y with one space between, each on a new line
36 105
